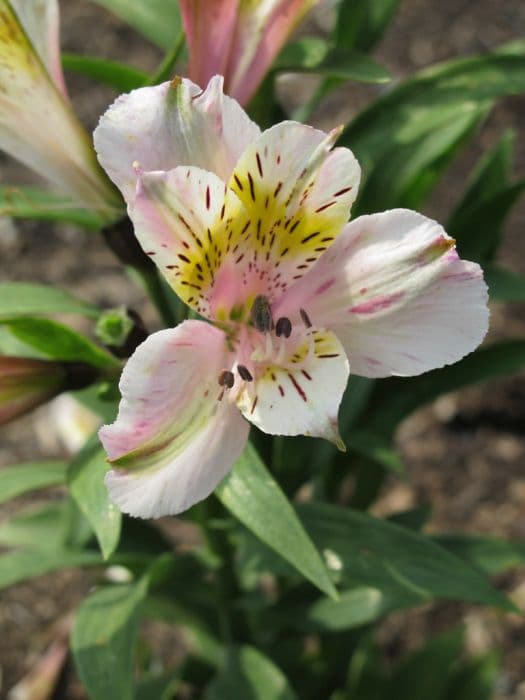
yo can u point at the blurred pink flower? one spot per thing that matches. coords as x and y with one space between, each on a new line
238 39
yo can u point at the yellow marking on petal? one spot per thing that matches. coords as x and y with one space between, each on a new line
285 230
17 51
437 248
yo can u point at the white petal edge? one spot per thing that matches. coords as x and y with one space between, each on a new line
300 395
172 124
172 441
190 478
396 294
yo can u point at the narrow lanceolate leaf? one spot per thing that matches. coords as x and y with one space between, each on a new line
120 76
477 220
47 526
22 478
28 563
397 398
22 299
249 674
424 120
21 202
58 342
361 23
476 679
490 554
254 497
356 607
425 673
396 561
478 227
504 285
314 55
86 480
158 20
103 640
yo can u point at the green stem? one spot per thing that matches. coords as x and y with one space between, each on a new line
231 619
164 71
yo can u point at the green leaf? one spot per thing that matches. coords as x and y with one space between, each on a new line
314 55
397 398
252 495
158 20
35 561
425 673
377 448
161 687
248 674
117 75
478 227
477 220
104 637
21 299
361 23
48 525
366 677
404 175
491 174
21 478
86 482
58 342
425 120
198 636
504 285
413 519
355 607
20 202
489 554
398 562
476 679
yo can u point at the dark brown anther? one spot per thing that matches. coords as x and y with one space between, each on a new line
244 373
226 379
261 314
283 327
305 318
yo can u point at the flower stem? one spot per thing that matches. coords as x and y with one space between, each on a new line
231 618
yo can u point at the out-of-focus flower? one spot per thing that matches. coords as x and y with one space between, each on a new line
26 383
37 124
68 423
250 230
238 39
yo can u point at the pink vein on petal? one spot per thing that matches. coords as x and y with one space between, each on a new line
377 304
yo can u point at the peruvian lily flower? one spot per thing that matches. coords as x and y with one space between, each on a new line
238 38
37 124
250 229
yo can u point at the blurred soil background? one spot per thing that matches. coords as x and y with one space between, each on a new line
465 454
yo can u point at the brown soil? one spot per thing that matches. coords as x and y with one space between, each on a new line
465 453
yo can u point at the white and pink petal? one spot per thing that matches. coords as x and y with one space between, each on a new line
298 393
397 295
172 441
169 125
